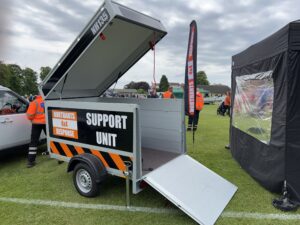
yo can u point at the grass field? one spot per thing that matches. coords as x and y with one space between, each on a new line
49 181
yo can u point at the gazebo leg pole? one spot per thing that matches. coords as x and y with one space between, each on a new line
284 203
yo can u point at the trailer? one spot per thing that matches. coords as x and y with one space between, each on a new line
139 139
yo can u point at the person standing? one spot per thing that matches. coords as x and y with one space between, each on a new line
35 113
193 120
169 93
153 93
227 103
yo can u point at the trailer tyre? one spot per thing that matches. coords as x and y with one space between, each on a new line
84 180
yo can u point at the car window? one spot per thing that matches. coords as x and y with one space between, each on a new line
11 104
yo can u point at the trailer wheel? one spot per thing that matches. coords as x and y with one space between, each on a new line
85 180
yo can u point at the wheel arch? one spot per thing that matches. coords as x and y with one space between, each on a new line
93 162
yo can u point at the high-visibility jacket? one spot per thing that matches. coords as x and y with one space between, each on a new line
168 94
227 100
36 111
199 101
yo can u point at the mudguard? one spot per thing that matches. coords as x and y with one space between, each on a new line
93 162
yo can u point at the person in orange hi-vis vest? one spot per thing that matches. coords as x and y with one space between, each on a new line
168 93
35 113
193 120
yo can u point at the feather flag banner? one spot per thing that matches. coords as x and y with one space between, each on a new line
190 71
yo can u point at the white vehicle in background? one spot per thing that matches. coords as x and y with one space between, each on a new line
15 128
213 99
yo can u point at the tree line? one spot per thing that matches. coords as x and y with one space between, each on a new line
25 81
22 81
143 86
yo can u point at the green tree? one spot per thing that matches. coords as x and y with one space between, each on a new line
141 91
138 85
19 80
4 74
202 78
164 83
44 71
143 85
29 82
131 85
15 80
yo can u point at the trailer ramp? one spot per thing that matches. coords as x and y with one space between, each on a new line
196 190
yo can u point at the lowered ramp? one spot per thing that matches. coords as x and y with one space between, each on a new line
196 190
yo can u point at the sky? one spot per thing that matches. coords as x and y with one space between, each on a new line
35 33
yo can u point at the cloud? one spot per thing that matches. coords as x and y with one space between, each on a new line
5 10
40 31
212 6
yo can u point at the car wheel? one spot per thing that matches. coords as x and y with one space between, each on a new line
84 180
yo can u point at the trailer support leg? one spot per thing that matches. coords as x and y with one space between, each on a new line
127 175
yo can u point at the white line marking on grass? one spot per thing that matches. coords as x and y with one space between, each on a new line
87 206
261 216
226 214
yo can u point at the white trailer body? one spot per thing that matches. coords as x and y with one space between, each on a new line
107 133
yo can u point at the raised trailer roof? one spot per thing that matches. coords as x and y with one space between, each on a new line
113 41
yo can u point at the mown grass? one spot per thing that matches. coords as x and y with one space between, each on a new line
49 181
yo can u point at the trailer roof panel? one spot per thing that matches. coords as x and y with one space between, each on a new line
112 42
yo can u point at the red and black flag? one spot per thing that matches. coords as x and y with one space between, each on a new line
190 72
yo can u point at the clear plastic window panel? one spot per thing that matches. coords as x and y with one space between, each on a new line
253 105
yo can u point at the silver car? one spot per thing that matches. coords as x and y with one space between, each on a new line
15 128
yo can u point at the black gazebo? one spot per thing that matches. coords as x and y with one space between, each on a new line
265 120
